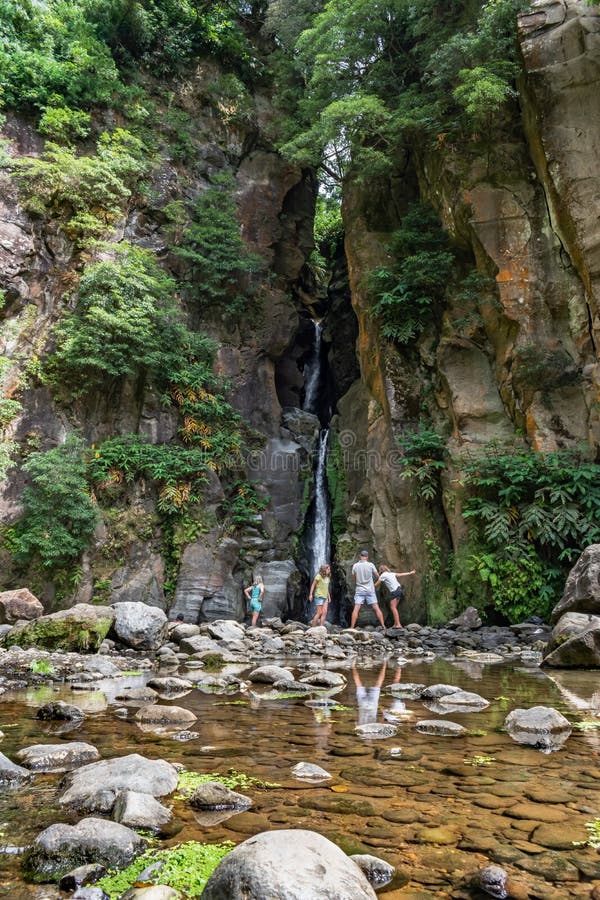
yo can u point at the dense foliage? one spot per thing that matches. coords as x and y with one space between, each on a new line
529 515
125 322
87 192
376 75
76 54
220 264
407 290
59 514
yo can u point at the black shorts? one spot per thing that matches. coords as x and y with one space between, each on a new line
398 594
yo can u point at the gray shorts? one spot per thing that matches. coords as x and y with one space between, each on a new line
362 595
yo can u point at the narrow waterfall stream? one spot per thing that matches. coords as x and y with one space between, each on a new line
316 401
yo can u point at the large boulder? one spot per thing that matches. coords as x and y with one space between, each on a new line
60 848
82 628
140 626
19 605
582 590
94 787
574 643
540 726
290 865
469 619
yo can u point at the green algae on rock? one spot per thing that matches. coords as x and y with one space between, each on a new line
79 629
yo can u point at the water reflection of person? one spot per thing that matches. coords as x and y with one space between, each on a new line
367 699
398 706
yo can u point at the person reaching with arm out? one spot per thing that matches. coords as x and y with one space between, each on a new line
390 579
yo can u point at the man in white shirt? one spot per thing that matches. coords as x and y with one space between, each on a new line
363 572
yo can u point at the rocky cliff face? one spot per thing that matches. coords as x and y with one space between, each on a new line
521 360
131 558
524 361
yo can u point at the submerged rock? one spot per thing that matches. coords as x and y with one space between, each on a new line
59 711
264 866
375 731
170 716
440 727
60 848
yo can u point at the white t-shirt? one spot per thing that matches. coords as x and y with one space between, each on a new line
390 581
364 572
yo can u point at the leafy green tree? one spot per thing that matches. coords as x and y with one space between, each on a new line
378 75
59 514
212 246
125 323
407 291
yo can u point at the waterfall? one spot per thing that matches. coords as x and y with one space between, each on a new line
312 371
316 401
320 545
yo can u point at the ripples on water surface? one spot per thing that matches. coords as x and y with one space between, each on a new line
439 811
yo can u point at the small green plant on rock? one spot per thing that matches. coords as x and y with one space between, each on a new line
189 781
219 262
424 454
593 829
407 292
587 725
41 667
480 760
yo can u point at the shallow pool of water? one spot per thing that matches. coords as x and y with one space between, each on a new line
438 808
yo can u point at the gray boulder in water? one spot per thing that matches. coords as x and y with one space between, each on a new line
541 727
582 590
58 757
94 787
212 795
11 773
140 626
60 848
290 865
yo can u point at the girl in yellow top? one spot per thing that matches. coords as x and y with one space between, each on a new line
319 589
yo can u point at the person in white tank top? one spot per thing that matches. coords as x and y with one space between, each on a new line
390 579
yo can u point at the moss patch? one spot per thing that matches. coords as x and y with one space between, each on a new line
189 781
185 868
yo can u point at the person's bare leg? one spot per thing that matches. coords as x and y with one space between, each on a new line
394 610
315 619
378 613
254 618
355 612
